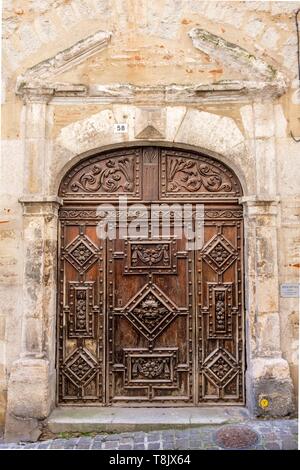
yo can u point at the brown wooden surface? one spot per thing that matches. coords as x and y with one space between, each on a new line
146 321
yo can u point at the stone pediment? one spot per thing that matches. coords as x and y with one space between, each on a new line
242 74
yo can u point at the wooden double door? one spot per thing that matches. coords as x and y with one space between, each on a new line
143 320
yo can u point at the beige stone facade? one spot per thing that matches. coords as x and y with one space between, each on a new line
221 77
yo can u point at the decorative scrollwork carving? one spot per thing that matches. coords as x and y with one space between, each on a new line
228 214
191 175
109 176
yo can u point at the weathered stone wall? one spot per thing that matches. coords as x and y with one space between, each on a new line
153 44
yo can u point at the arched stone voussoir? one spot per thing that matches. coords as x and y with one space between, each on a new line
221 138
217 136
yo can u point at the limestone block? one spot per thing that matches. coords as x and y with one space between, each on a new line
150 123
254 27
265 166
174 117
248 120
45 28
289 329
278 8
68 15
288 168
11 167
11 306
263 119
20 429
270 38
210 131
269 379
3 397
14 56
280 122
268 334
30 391
93 132
267 293
125 114
29 40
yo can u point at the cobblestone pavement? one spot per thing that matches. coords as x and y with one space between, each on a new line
272 435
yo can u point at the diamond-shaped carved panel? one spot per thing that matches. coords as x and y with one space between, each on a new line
150 311
80 367
81 253
219 254
220 367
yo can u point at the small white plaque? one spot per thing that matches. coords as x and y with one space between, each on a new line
121 128
290 290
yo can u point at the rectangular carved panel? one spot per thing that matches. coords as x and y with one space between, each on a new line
81 310
80 320
220 310
150 368
157 257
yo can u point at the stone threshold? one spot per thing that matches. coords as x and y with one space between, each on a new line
115 419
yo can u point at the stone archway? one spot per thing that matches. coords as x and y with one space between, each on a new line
32 383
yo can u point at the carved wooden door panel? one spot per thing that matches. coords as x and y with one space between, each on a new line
220 313
144 321
150 322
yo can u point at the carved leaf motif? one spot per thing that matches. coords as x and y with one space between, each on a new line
191 175
109 177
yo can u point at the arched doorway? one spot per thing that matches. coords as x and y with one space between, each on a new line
146 321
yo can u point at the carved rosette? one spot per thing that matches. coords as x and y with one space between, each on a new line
80 367
220 367
81 253
219 254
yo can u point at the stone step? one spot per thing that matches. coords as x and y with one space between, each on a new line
114 419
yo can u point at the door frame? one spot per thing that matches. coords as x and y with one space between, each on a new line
212 200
